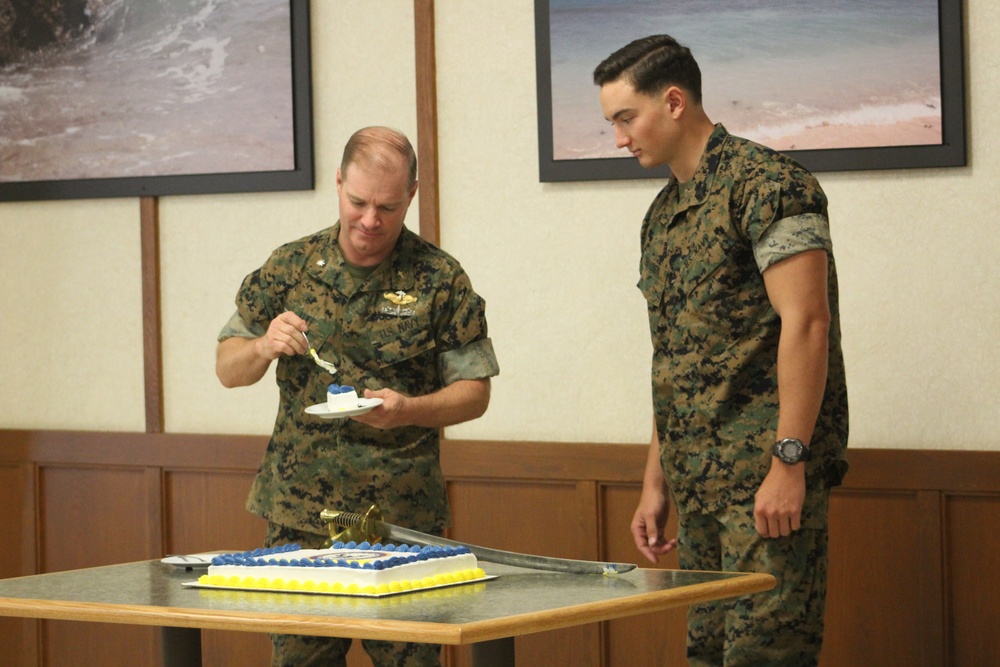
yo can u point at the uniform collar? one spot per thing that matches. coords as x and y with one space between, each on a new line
325 262
704 175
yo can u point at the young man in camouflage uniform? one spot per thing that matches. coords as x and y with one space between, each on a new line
399 319
749 395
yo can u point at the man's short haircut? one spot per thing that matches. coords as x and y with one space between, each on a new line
378 146
650 64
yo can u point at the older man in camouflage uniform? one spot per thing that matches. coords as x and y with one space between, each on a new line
399 319
749 390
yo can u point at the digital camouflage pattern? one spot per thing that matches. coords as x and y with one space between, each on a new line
782 627
413 325
715 392
311 651
714 332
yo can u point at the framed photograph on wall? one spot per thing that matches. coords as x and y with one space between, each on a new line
136 98
841 85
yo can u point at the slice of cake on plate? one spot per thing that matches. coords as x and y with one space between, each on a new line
341 397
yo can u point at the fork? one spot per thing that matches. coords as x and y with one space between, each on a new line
325 365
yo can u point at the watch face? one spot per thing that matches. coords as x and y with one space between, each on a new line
790 450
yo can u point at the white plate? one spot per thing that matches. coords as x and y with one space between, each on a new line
192 561
364 405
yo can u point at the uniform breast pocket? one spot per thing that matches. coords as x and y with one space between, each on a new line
653 282
402 340
651 287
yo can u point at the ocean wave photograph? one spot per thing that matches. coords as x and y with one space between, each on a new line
94 89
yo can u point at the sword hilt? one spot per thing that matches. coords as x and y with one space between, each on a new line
354 527
351 526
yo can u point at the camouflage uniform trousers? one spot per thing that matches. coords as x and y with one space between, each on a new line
309 651
780 627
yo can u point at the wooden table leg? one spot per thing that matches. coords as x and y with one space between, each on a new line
181 647
494 653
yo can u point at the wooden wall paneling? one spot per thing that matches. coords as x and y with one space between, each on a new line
247 649
878 566
914 543
77 644
972 527
648 639
525 516
155 524
535 517
932 469
205 511
930 513
587 506
113 449
497 459
17 521
92 516
19 636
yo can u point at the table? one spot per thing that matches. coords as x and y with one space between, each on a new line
486 614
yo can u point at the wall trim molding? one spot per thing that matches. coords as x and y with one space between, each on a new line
967 471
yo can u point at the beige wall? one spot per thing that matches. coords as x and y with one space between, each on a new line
557 263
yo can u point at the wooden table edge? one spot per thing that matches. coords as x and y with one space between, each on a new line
387 629
609 610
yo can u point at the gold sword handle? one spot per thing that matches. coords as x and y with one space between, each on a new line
352 526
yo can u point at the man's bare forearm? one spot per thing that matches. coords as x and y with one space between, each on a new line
238 362
459 402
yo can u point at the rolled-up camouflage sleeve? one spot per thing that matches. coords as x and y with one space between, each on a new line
474 361
237 327
790 236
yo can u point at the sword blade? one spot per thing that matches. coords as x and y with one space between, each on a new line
567 565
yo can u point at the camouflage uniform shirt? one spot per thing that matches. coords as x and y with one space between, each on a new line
414 325
714 332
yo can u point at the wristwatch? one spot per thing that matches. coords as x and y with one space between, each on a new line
791 450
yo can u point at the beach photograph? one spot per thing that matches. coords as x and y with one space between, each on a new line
789 74
95 89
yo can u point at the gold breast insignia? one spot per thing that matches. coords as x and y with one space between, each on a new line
400 298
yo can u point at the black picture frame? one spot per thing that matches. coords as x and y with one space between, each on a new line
951 152
301 177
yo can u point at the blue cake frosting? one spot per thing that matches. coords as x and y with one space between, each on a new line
283 555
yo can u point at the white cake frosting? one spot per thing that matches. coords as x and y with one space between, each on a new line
341 397
346 569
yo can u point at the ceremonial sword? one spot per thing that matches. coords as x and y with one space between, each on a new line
369 527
